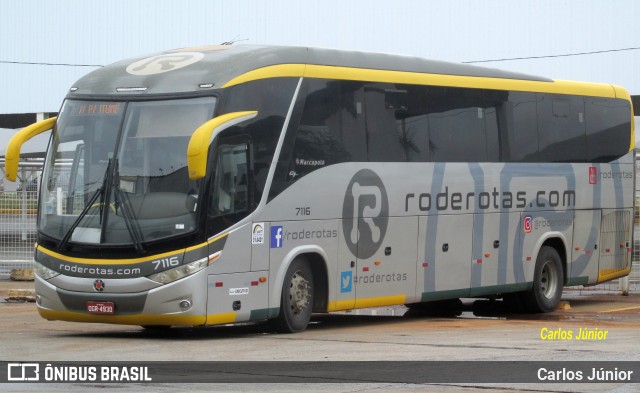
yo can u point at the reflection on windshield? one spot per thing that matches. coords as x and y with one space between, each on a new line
148 194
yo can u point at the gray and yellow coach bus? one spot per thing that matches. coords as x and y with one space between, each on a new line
215 185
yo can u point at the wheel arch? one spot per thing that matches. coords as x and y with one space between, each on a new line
558 242
317 259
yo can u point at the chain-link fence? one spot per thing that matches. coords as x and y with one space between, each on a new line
19 202
18 205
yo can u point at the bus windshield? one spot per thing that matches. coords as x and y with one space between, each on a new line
116 172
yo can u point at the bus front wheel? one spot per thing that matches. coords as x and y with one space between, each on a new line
296 302
547 282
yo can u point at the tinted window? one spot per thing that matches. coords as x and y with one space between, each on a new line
561 129
352 120
456 125
608 124
229 192
341 121
512 116
272 99
321 139
493 130
412 124
383 140
414 131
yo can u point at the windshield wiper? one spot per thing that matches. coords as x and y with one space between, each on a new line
125 207
97 193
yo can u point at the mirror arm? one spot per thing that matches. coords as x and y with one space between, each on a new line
201 139
12 155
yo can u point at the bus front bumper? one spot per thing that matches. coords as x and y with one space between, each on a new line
181 303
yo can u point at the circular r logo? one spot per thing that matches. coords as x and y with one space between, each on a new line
164 63
365 213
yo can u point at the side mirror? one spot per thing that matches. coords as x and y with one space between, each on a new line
198 149
12 155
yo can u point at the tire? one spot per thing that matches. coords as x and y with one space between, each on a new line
296 302
547 282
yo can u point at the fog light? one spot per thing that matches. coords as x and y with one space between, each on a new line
185 305
38 300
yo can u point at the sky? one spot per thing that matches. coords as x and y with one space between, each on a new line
84 33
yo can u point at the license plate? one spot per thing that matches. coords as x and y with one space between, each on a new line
100 307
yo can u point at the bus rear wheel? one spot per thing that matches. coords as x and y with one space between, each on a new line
296 302
547 282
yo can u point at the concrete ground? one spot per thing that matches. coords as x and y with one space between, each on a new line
385 334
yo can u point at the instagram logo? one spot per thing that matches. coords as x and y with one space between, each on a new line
526 224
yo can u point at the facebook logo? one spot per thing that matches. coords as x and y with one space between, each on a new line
276 237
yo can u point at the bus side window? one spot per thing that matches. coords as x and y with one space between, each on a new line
383 141
511 126
319 141
409 105
607 128
229 190
561 128
456 125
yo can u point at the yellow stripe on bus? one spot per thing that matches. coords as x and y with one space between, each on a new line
610 274
139 319
274 71
416 78
92 261
221 319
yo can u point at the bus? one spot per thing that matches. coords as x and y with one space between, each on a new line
227 184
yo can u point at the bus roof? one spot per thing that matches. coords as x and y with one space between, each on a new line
199 69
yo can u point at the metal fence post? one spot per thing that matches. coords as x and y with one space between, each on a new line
23 199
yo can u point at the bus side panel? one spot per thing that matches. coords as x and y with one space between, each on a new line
237 297
585 254
445 254
496 246
387 276
236 255
233 294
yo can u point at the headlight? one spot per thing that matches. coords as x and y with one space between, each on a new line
43 272
179 272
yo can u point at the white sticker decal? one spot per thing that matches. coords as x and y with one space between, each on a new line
257 233
238 291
